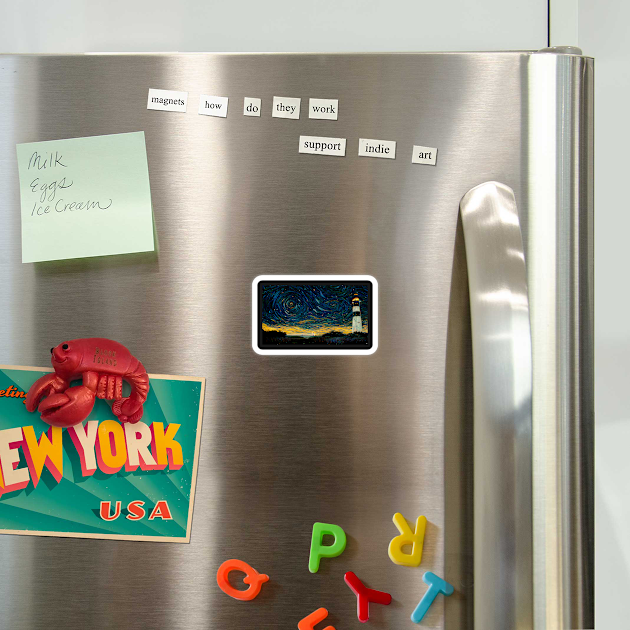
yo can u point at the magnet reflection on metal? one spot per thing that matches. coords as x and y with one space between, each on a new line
309 623
407 537
436 586
365 595
252 577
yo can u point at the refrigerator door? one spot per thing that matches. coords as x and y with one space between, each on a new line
351 440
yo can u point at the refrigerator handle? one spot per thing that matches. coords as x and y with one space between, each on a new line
502 375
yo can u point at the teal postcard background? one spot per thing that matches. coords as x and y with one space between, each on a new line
72 505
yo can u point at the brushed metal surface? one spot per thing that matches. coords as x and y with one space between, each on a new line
560 273
286 440
502 372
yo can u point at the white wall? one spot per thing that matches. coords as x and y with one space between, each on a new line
283 25
603 28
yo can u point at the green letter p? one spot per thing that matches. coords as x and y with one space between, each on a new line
319 551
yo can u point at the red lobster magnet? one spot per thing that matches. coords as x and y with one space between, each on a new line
102 364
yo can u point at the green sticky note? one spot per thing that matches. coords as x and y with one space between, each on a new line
85 197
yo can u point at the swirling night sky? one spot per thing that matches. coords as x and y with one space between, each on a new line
302 309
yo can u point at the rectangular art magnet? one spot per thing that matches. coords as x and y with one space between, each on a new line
101 478
315 315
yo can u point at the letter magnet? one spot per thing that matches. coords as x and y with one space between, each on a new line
365 596
309 622
407 537
319 551
252 577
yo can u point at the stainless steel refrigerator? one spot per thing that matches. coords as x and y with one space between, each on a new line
476 408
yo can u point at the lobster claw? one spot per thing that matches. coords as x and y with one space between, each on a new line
43 386
68 408
127 410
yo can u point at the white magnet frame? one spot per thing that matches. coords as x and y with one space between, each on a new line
312 278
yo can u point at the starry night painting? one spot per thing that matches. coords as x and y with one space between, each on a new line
315 315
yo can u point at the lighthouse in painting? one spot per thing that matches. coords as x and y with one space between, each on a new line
357 324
